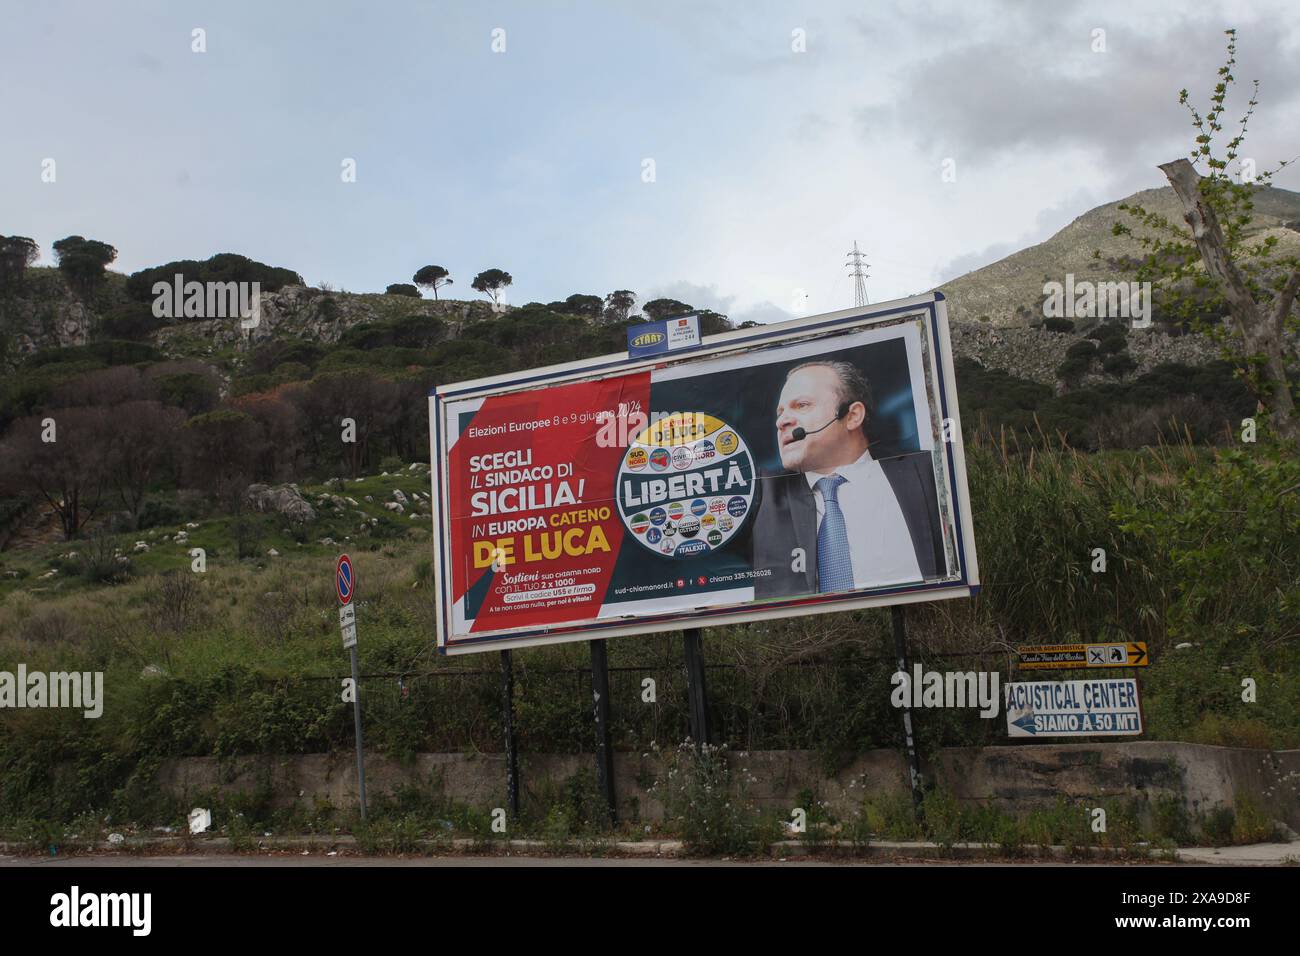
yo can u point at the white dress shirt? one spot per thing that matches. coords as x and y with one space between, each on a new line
880 545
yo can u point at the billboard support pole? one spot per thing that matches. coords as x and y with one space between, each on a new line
604 748
696 693
508 721
900 652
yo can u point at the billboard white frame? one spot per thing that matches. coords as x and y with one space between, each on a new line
931 308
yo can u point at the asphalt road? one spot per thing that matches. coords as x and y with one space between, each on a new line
319 860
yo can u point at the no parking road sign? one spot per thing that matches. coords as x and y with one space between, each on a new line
344 582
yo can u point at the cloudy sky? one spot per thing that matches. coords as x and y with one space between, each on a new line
774 135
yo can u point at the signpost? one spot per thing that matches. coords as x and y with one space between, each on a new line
1105 707
600 708
909 737
1069 656
508 722
345 587
696 692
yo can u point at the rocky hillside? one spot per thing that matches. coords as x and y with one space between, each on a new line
44 313
1009 292
48 315
298 312
991 308
1035 354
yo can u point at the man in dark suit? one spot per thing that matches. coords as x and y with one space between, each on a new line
838 519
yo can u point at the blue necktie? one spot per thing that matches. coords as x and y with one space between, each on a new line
834 564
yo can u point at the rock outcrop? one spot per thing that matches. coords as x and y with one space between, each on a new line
320 316
43 313
1035 354
280 499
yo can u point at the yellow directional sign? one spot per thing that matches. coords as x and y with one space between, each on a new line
1062 656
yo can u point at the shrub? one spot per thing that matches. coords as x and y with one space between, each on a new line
1229 551
1119 365
1073 369
101 561
1252 823
942 817
1218 825
51 627
711 811
1172 821
175 602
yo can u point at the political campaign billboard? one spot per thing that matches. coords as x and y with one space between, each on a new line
802 467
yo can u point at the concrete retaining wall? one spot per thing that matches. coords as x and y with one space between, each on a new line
1015 778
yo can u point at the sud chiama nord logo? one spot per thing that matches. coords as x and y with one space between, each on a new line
685 485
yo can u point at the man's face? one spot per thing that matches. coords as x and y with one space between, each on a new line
809 400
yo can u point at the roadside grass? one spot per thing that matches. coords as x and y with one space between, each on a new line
244 658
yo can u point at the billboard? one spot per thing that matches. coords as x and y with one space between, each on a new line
803 467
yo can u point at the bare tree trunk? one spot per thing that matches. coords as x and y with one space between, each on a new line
1260 325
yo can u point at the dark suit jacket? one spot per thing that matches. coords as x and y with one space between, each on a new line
787 519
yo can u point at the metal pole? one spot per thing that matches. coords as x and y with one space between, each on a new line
512 745
900 652
356 719
600 702
696 693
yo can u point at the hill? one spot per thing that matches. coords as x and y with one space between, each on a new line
1009 292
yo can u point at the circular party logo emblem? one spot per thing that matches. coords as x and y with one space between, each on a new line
700 472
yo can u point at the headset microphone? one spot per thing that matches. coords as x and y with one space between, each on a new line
800 434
